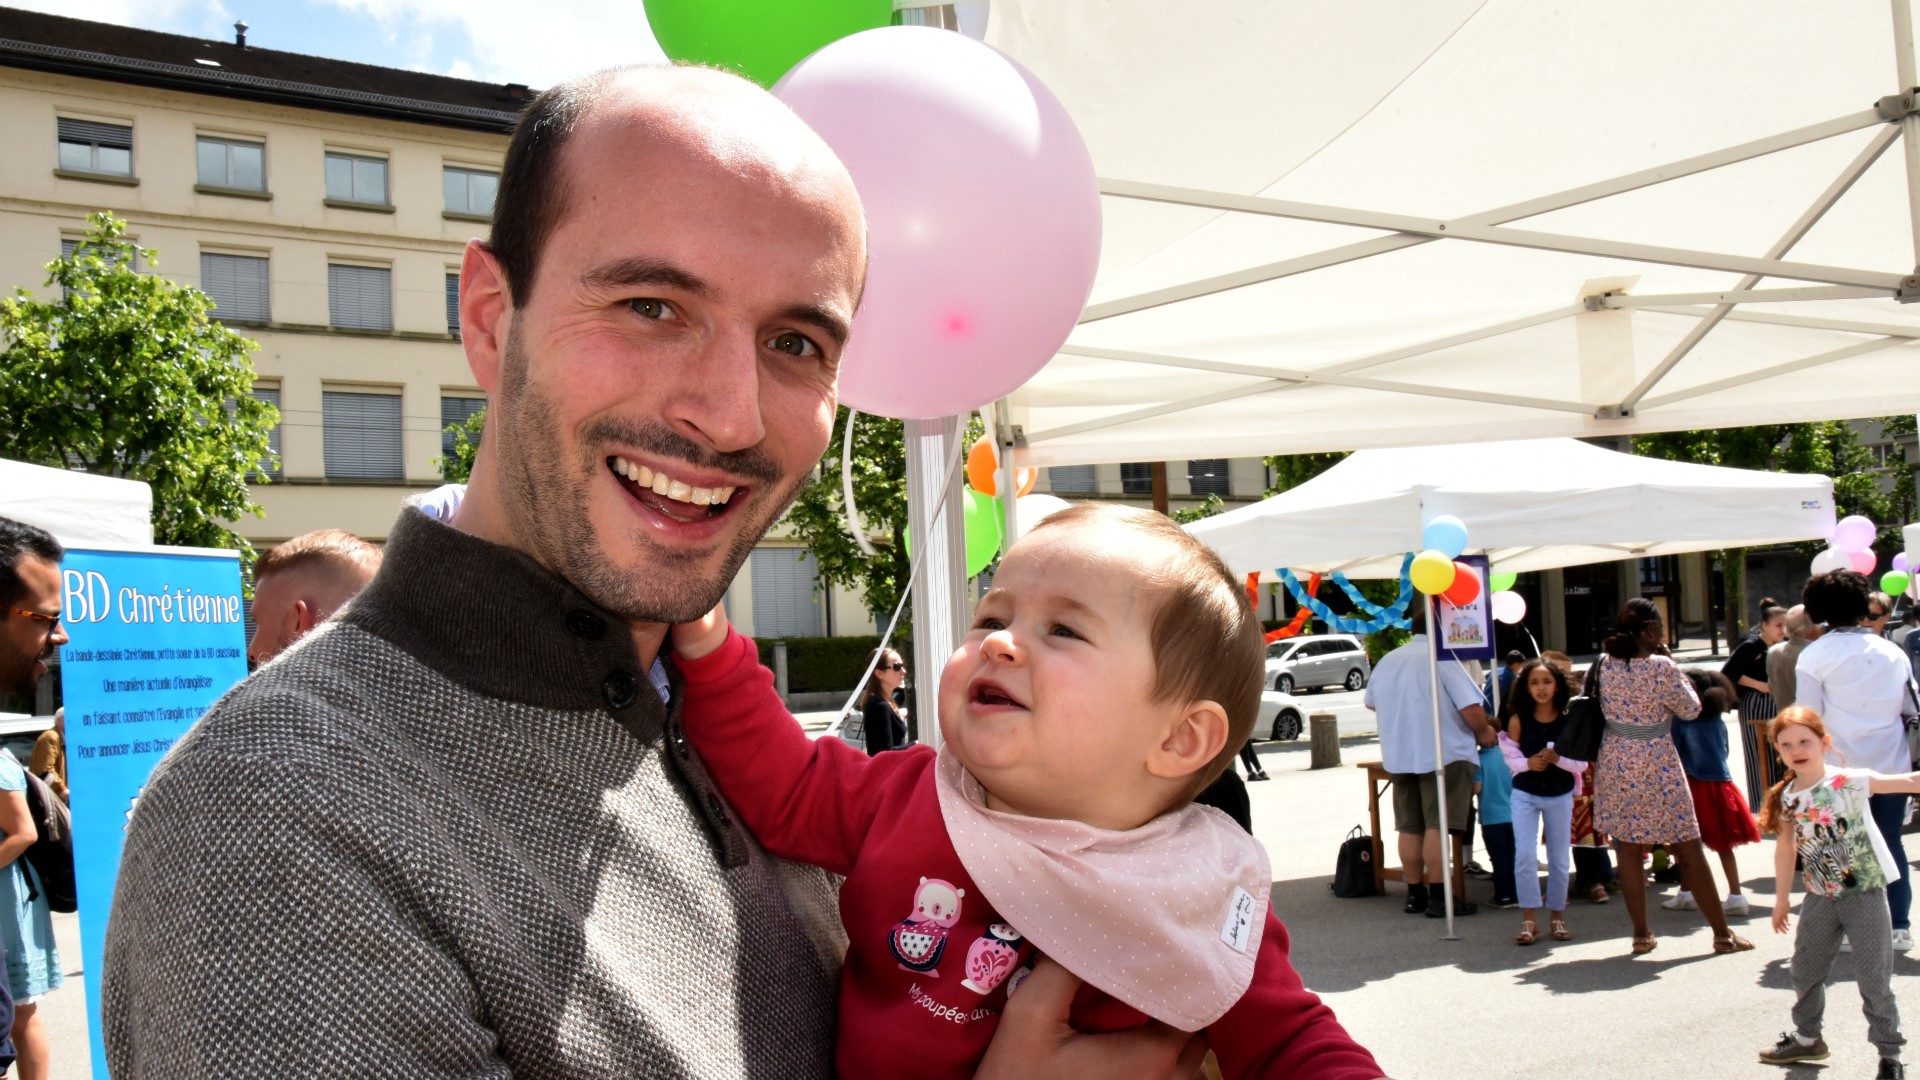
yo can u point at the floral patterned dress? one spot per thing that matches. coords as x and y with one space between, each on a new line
1640 794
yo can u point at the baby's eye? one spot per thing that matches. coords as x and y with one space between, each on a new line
988 622
1063 630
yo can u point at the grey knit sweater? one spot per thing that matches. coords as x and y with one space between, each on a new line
454 833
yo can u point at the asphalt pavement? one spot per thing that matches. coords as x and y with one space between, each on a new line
1477 1006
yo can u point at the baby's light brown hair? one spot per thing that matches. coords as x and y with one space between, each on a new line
1207 644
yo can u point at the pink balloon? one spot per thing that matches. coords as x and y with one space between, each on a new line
983 215
1853 533
1509 607
1862 561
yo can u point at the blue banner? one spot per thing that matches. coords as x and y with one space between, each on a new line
158 635
1465 632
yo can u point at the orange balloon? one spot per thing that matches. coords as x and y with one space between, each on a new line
983 471
1465 587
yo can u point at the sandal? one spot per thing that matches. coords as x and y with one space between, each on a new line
1528 931
1560 931
1598 895
1644 944
1732 943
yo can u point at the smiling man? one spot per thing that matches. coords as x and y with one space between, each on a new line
459 832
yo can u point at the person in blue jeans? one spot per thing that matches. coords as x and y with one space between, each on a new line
1495 784
1543 784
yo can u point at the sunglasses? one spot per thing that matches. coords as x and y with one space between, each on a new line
1872 614
893 667
51 621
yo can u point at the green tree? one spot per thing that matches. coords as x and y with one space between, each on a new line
1830 447
819 520
458 466
125 375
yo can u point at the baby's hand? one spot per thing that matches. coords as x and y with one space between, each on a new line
693 640
1780 918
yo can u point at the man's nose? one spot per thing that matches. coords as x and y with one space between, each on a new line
59 635
718 399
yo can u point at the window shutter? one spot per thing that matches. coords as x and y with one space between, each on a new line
455 410
360 297
1208 476
118 136
453 304
1136 478
238 285
361 433
271 395
1063 478
784 602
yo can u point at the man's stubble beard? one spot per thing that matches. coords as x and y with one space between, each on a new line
548 500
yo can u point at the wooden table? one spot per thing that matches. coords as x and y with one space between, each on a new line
1378 779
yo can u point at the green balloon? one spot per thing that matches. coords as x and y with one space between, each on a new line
1503 581
1894 582
982 519
760 39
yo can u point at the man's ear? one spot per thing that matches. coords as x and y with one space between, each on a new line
1198 735
302 617
486 311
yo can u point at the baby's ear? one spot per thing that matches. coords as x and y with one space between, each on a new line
1197 736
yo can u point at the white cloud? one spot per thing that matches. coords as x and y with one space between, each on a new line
511 40
198 17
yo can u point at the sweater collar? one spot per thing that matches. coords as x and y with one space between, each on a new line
498 623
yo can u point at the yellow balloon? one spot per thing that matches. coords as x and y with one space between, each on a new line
1432 572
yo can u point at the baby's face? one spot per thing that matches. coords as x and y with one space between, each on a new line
1046 700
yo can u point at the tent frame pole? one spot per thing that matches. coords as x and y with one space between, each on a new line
1439 764
1498 216
939 605
1909 123
1748 378
1739 296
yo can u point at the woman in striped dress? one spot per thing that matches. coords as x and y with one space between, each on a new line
1746 669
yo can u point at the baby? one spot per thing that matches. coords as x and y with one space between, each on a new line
1110 675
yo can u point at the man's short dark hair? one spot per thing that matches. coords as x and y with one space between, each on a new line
17 538
1514 656
1837 597
533 191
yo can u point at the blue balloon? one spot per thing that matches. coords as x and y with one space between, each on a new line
1446 534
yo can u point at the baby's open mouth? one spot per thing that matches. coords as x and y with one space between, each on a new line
674 498
987 692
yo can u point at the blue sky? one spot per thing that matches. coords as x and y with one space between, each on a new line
492 40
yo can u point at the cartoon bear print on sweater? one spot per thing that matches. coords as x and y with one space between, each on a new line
920 940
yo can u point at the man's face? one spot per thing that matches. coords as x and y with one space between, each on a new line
30 641
669 383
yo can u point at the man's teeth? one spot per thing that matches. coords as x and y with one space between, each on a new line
662 484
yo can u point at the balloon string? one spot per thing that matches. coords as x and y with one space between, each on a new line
854 524
914 563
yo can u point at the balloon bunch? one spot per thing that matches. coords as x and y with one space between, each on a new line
1852 549
1508 606
985 535
1378 617
1434 571
1899 579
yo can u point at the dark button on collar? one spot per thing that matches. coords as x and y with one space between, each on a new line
718 809
586 624
678 736
620 688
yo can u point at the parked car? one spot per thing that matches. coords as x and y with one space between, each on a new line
1308 663
19 731
1281 716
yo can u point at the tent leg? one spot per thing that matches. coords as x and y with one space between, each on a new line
939 604
1009 474
1440 766
1910 123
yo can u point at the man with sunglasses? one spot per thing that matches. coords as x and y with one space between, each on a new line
30 595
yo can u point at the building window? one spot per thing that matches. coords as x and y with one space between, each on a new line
785 600
238 285
89 147
271 395
453 305
1076 478
355 179
469 191
456 410
360 297
362 435
1136 478
1208 476
231 163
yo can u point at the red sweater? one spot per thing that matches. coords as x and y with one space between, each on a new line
911 1002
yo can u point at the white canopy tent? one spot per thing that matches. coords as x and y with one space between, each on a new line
1530 505
1351 223
79 509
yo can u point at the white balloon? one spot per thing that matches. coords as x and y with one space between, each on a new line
1509 607
1030 509
1831 559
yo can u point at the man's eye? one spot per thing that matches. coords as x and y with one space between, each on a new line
648 307
794 344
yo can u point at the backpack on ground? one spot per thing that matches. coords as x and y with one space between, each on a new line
48 864
1353 870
